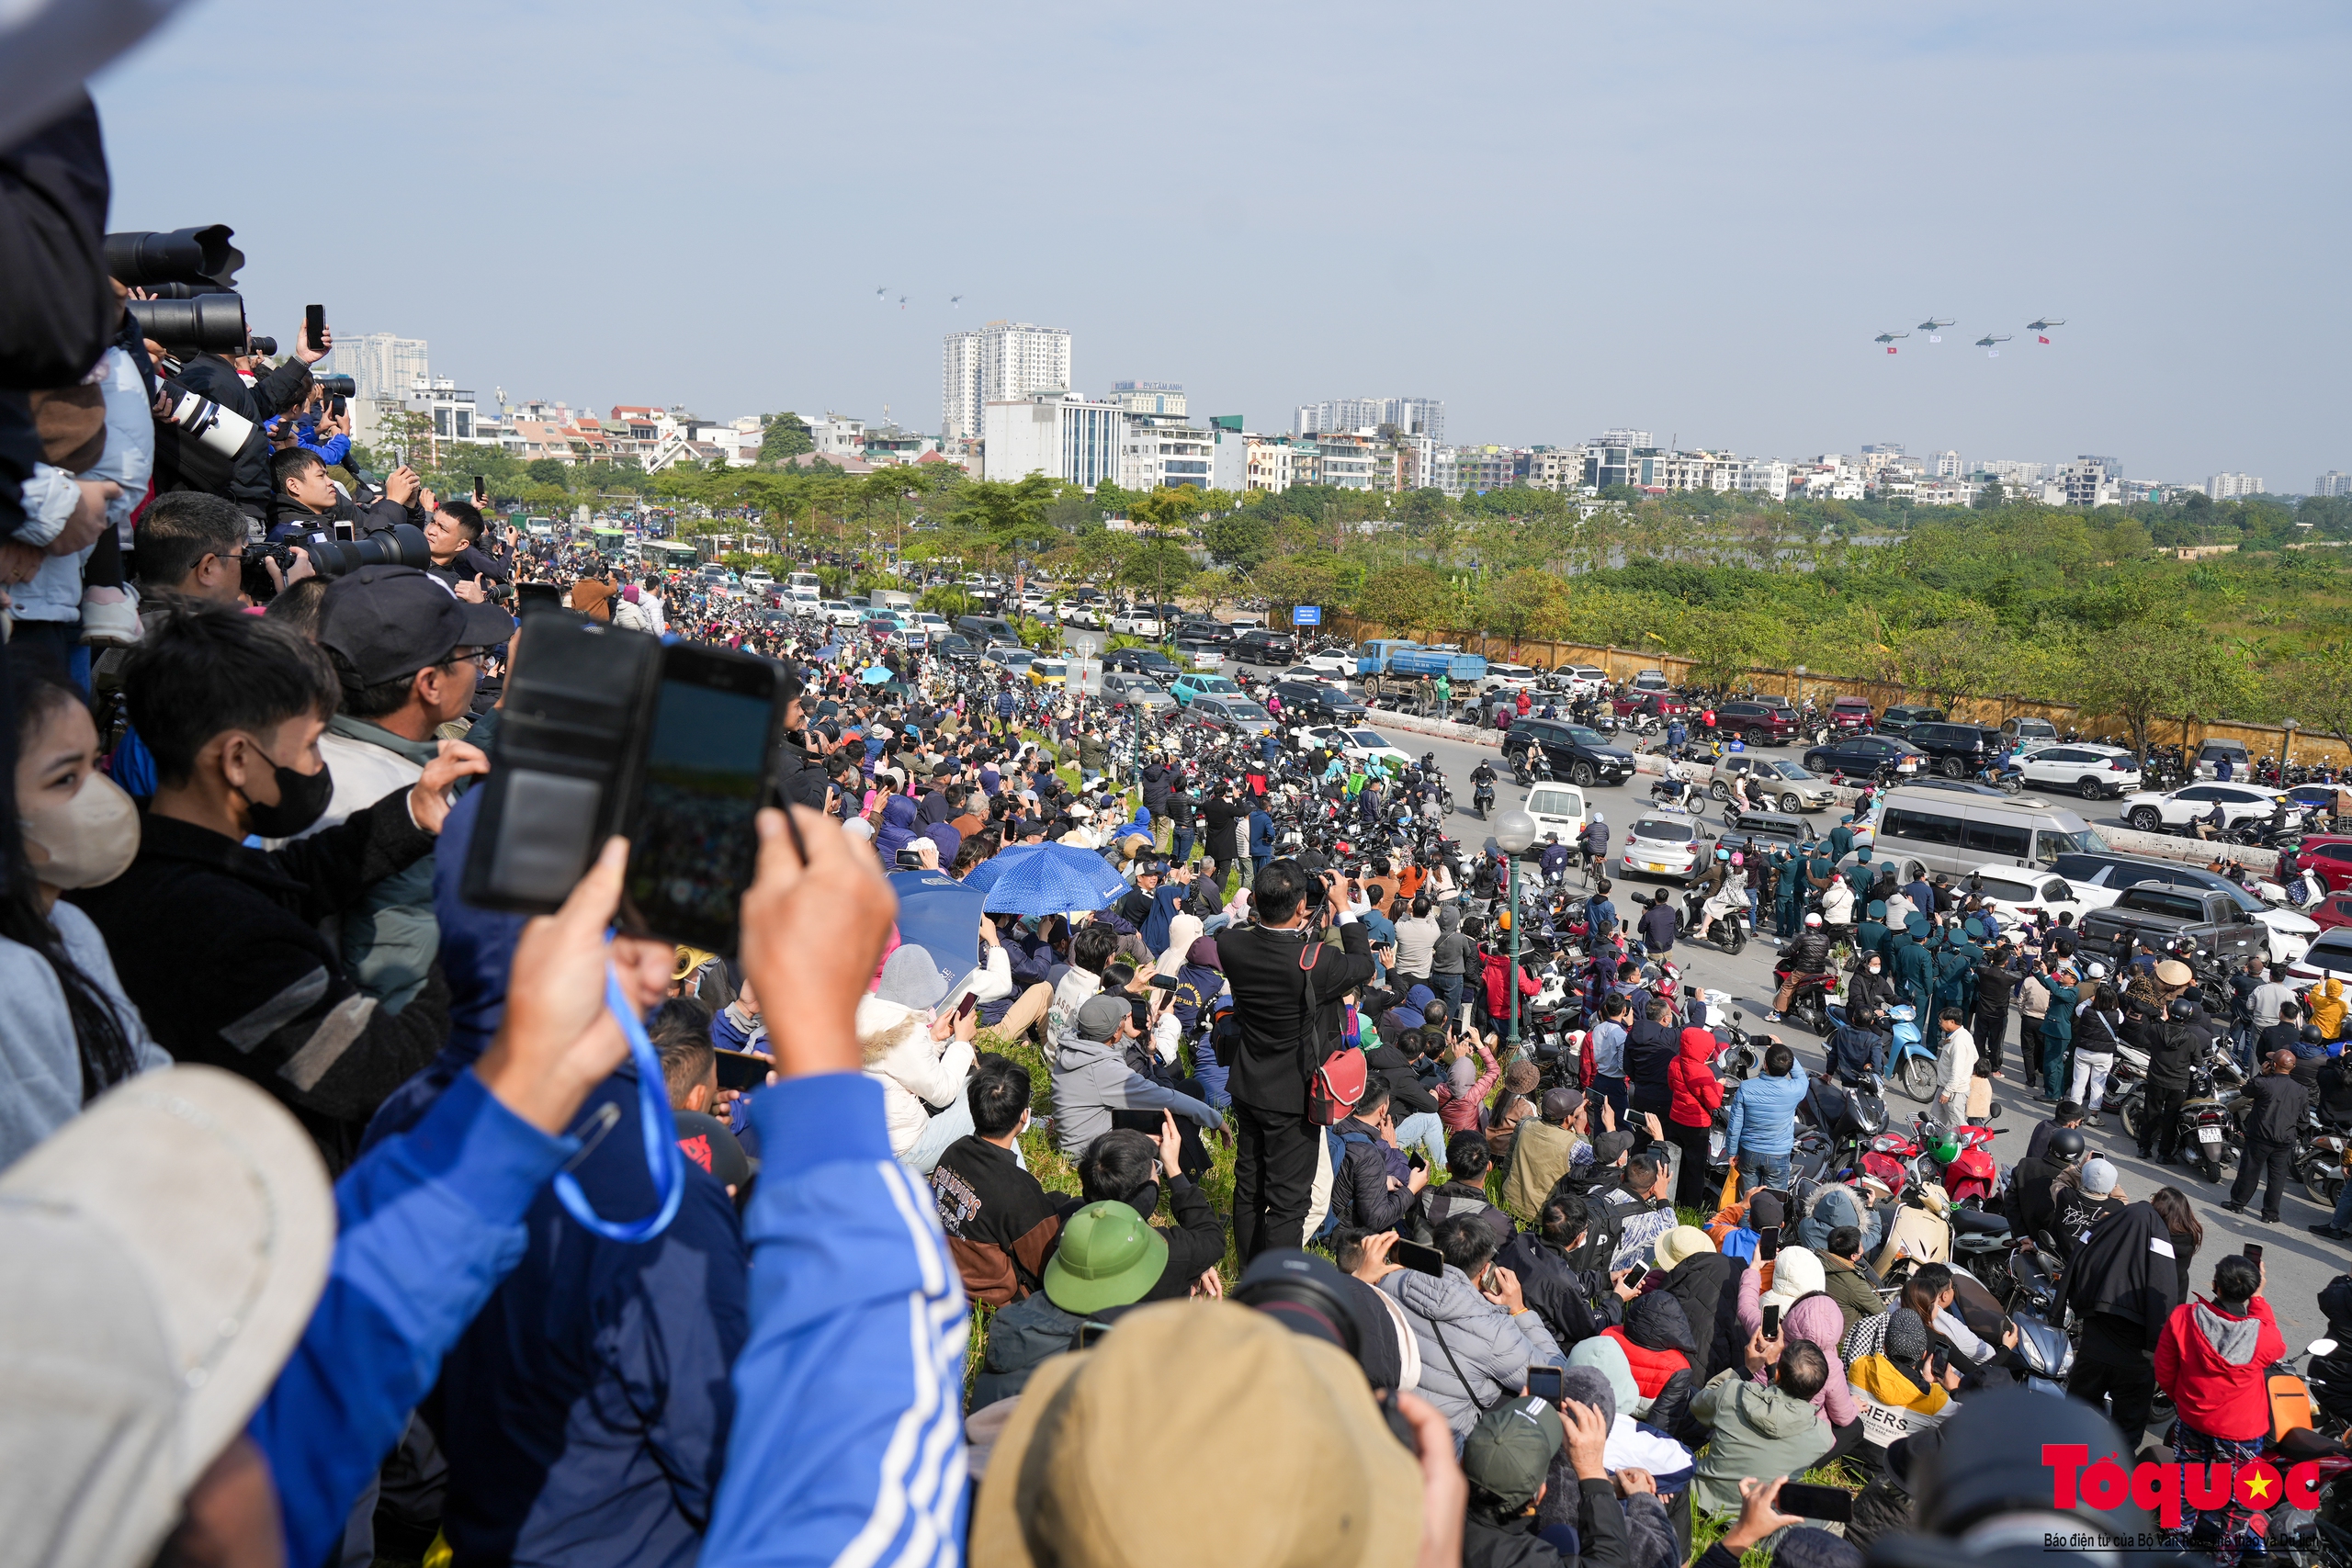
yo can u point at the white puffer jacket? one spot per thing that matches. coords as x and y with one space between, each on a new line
913 1069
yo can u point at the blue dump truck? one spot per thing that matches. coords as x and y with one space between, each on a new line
1392 656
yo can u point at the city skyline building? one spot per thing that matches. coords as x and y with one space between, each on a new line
1411 416
380 365
1000 362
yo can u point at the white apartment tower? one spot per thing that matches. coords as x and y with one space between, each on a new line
380 365
1411 416
2233 487
1000 362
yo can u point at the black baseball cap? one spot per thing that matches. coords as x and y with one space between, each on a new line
392 621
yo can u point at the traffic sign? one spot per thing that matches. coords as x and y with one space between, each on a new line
1307 615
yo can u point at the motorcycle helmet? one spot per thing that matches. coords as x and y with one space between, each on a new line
2066 1146
1723 854
2181 1010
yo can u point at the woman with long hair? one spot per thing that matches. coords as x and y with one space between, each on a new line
2179 1216
67 1033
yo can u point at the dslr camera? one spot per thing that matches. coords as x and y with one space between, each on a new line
402 545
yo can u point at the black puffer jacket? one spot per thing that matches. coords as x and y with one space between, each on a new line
1656 1321
1809 955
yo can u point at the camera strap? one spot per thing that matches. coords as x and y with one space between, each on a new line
663 1161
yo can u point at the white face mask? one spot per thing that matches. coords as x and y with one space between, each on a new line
86 843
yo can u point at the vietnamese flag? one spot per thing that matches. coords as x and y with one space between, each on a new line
1890 348
2043 338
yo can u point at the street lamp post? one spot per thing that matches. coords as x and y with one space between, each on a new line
1514 834
2285 748
1800 697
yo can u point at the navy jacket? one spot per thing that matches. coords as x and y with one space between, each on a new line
585 1412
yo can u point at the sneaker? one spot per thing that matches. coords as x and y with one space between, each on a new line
115 625
1771 1018
2268 1219
2233 1208
2329 1231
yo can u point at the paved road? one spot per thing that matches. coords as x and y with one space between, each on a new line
2300 1263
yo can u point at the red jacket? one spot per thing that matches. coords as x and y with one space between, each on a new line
1651 1367
2216 1367
1697 1095
1498 970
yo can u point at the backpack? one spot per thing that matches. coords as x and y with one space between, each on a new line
1336 1071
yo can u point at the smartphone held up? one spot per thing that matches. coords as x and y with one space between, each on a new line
609 731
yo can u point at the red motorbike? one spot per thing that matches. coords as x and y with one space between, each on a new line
1809 1001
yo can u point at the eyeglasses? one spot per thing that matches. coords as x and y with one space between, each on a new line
479 658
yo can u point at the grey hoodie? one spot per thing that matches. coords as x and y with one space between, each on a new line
1492 1346
1453 953
1091 1080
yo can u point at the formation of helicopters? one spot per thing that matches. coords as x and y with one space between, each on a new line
1990 343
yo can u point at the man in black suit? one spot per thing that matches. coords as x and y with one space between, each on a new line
1267 965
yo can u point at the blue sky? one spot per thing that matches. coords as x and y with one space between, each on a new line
1688 218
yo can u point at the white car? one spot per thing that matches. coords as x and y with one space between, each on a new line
1335 666
2148 811
758 577
1583 679
1135 625
1312 676
1665 843
1511 677
1358 744
838 613
2095 773
2018 893
1083 615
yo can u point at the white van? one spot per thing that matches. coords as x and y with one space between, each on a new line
1959 830
1557 808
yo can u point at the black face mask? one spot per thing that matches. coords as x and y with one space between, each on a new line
301 801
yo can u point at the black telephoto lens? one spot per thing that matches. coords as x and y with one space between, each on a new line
210 323
404 544
337 387
264 346
180 255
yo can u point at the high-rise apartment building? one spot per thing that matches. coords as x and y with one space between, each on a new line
2331 483
2233 487
1149 397
380 365
1001 362
1411 416
1948 466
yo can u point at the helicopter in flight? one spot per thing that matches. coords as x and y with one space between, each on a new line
1932 323
1988 340
1889 337
2045 323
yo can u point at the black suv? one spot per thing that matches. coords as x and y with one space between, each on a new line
957 648
1205 632
1145 661
1576 754
1898 720
1954 750
1323 705
1258 646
